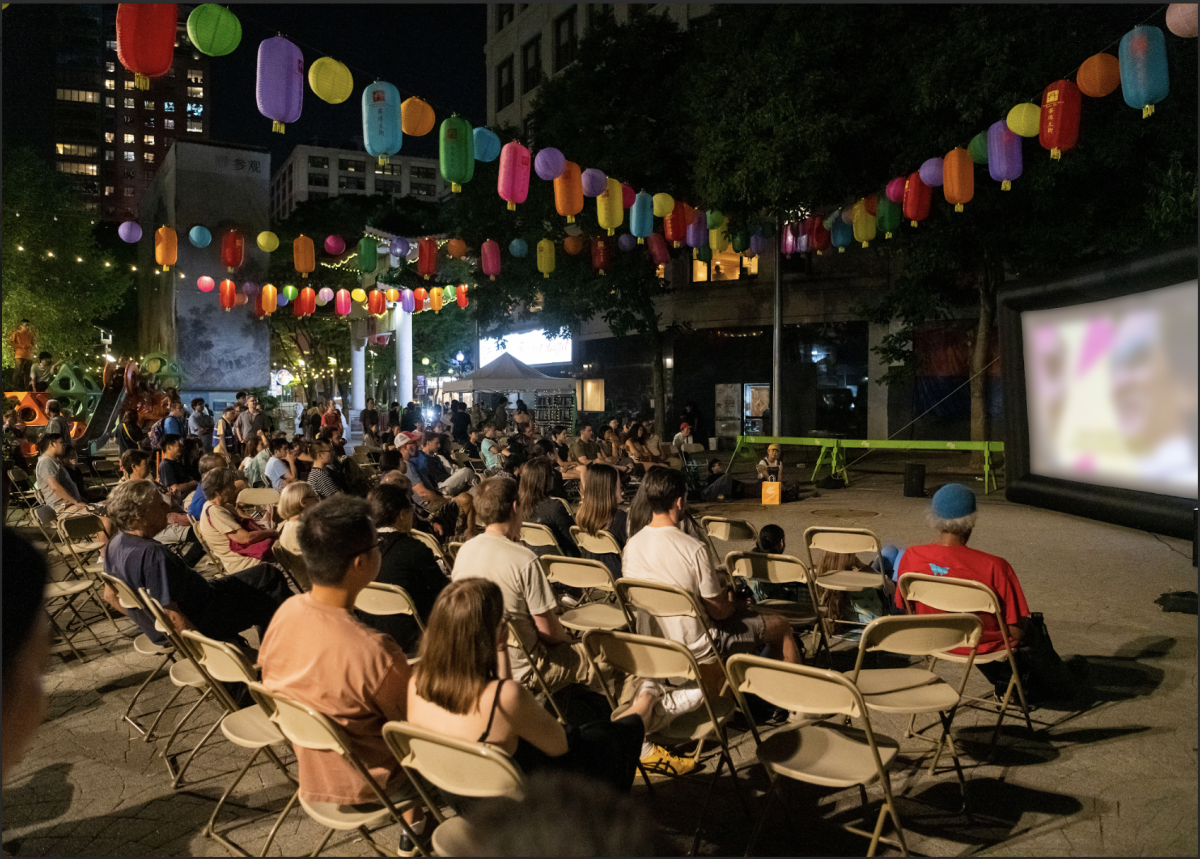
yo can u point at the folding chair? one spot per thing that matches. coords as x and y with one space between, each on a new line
247 727
143 646
383 599
566 506
432 542
537 536
601 543
914 691
293 566
107 471
658 658
306 728
783 569
729 530
847 541
514 641
218 567
961 595
586 575
258 500
822 754
460 767
22 491
452 552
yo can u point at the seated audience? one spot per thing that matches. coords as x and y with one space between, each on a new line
171 471
542 508
598 511
324 477
238 542
489 449
389 461
53 480
770 467
281 467
684 436
293 501
251 470
434 471
719 483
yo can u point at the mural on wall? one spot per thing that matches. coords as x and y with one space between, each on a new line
219 351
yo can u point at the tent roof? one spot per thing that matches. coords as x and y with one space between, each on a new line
505 374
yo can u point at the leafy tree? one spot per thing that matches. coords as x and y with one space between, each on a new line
47 231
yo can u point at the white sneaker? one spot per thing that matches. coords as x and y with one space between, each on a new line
680 701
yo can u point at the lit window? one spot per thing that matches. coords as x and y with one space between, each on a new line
112 46
194 110
77 168
168 123
195 92
78 95
148 156
127 155
148 105
75 149
108 189
130 85
110 67
195 126
128 138
130 104
169 106
109 137
148 139
195 76
109 83
110 102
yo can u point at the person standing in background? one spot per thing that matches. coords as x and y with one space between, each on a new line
22 340
200 424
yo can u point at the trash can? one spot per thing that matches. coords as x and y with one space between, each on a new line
914 480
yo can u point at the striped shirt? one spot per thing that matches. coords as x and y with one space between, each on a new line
322 483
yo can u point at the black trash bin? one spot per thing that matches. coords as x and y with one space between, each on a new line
914 480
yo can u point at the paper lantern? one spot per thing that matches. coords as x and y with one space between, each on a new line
594 182
146 39
895 189
233 249
959 175
358 295
641 216
447 294
843 233
545 257
549 164
864 224
382 134
1099 75
298 309
335 245
130 232
676 223
697 231
663 205
513 182
456 248
601 254
847 211
308 299
279 90
205 283
199 236
489 258
1181 20
704 254
461 295
830 219
1059 128
303 254
626 242
1144 79
250 288
436 297
456 152
392 294
259 312
290 292
416 117
978 148
573 245
715 219
568 191
518 248
820 239
407 302
1004 155
887 217
281 301
398 247
758 244
368 255
342 303
660 254
267 241
740 240
627 196
242 299
917 196
376 303
268 299
609 212
166 247
214 30
420 296
487 144
931 172
787 241
325 294
1024 119
427 257
330 80
228 294
718 239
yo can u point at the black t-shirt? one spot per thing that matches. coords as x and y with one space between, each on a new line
171 473
564 452
128 435
148 564
408 420
471 449
410 564
460 425
370 420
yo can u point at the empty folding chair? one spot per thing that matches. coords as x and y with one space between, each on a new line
142 645
783 569
586 575
843 541
23 494
823 754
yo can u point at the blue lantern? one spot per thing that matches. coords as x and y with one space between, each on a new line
518 248
843 234
641 217
1143 56
199 237
487 144
382 132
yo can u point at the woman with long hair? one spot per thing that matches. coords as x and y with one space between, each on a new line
537 479
462 687
599 511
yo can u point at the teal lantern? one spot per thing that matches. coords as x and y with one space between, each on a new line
214 30
1143 56
843 234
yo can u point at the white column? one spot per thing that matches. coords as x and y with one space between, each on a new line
404 369
358 367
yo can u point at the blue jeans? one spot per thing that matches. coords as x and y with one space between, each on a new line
723 485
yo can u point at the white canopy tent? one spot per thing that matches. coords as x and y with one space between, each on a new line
507 374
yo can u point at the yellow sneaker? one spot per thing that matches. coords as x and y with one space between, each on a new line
662 762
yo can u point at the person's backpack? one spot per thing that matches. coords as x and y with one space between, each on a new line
157 432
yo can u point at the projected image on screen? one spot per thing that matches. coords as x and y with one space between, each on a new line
1112 391
531 347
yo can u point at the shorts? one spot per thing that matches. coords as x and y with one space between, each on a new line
741 633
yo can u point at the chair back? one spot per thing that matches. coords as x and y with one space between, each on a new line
601 543
946 594
461 458
46 515
641 655
729 530
798 688
778 569
514 641
533 534
80 527
566 506
219 660
262 497
921 635
581 573
659 600
452 551
163 623
382 599
293 565
429 540
126 595
693 448
842 541
456 766
18 475
302 725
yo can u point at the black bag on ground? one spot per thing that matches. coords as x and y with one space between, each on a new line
1044 675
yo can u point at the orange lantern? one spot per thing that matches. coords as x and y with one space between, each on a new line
958 178
233 250
461 295
308 300
270 298
419 298
1058 128
416 117
1099 75
568 192
166 247
573 245
435 300
393 294
304 255
376 303
456 248
228 294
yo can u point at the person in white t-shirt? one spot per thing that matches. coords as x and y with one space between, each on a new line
661 552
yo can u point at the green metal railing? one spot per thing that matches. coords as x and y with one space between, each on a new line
833 451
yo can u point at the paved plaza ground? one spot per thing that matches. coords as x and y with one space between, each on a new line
1112 772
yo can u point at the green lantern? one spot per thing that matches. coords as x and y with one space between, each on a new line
290 292
741 240
448 295
888 216
214 30
715 219
977 148
368 255
704 254
456 151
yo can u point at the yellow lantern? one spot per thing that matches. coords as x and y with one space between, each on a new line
330 80
863 223
1025 119
718 239
392 295
663 205
267 241
358 296
545 257
609 209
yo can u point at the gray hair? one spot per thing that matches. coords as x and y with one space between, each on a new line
218 482
128 501
960 527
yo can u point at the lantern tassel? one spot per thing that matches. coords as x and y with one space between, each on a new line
427 277
383 160
304 274
641 241
865 244
493 277
610 232
570 219
141 81
277 126
818 253
913 223
886 236
546 275
455 187
841 250
1004 186
602 272
957 207
1055 154
512 207
1147 111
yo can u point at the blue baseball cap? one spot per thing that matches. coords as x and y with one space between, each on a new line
953 501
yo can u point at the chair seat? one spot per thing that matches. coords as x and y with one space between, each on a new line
143 645
55 590
455 837
250 728
905 690
795 612
92 569
994 656
596 615
694 725
828 755
850 580
89 546
187 674
345 817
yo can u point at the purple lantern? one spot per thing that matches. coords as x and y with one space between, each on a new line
335 245
549 164
594 182
931 172
801 241
398 247
250 288
1004 154
281 300
130 232
758 244
627 242
407 302
697 231
787 241
280 87
326 294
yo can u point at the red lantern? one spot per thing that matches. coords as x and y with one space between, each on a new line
917 196
819 238
259 313
958 178
427 257
657 246
233 250
298 308
228 294
675 224
376 303
146 39
461 295
308 300
628 196
601 254
1058 127
420 296
341 302
304 255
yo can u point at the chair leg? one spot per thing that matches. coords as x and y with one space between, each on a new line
149 734
186 716
210 830
762 814
1003 709
889 803
321 846
63 635
279 822
149 677
178 779
949 740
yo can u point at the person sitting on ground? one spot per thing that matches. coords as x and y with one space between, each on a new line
430 466
599 511
200 424
542 508
461 687
406 562
129 434
175 422
221 608
317 653
952 516
281 467
171 473
324 478
57 423
770 467
293 501
26 647
661 552
719 484
41 374
238 542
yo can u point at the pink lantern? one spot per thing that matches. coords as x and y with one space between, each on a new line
342 302
628 195
335 245
490 258
513 182
895 189
205 283
657 246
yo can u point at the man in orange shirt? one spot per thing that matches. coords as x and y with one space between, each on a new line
22 341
